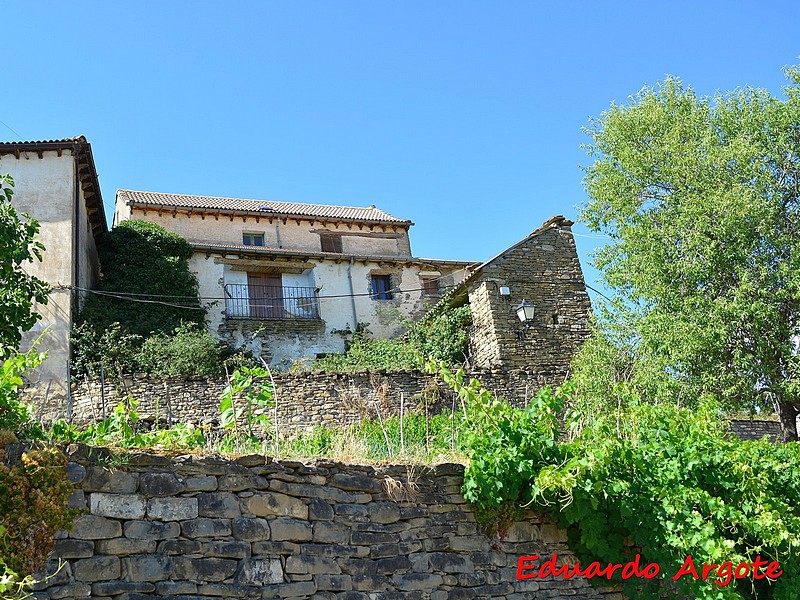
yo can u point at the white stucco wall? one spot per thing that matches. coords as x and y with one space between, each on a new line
44 189
291 235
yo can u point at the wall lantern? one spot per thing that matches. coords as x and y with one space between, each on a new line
525 312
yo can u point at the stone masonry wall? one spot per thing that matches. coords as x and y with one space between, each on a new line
304 399
204 528
542 269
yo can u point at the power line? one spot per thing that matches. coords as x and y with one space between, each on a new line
12 130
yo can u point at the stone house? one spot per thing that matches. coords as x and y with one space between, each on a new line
289 279
56 183
543 270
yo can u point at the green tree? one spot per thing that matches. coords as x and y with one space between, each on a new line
146 285
701 198
18 289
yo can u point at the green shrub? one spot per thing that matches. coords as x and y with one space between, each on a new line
188 351
149 266
15 415
442 334
113 349
666 479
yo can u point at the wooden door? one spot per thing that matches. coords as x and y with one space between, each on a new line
266 296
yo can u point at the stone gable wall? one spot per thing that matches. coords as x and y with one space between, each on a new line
543 269
205 528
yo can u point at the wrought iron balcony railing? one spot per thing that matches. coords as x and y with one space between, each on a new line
244 301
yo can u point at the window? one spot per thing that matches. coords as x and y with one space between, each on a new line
430 287
381 287
331 242
253 239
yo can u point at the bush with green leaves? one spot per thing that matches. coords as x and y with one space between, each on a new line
146 285
442 334
15 415
188 351
659 480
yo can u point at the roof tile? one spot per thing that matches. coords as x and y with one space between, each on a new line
291 209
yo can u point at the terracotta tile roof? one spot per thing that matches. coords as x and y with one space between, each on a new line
73 140
290 209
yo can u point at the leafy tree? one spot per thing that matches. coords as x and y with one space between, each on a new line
701 198
18 289
146 285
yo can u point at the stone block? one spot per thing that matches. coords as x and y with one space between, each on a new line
94 527
330 533
450 562
319 510
384 512
117 506
100 479
173 547
334 583
226 549
201 484
312 565
112 588
77 500
469 543
275 548
148 567
98 568
175 588
205 527
417 581
67 549
204 569
161 484
76 589
300 589
76 472
371 583
172 509
250 530
270 503
150 530
125 546
218 505
239 483
290 530
260 572
356 483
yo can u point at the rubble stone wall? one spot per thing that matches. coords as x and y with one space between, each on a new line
253 528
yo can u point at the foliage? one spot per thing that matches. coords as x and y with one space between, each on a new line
18 289
243 401
113 349
442 334
666 479
189 350
368 354
701 198
33 505
143 261
121 430
15 415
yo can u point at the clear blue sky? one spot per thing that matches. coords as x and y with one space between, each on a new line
464 117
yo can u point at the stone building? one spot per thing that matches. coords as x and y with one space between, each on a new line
543 270
287 279
56 183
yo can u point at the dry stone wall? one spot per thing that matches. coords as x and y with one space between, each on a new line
204 528
309 399
304 399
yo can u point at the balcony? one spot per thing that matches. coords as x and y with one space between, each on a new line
243 301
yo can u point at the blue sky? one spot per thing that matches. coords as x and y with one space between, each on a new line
465 117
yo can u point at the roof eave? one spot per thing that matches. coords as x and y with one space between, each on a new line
264 214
